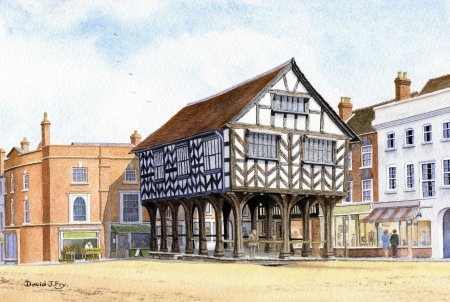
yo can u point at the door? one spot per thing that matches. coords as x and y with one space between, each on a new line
446 226
121 238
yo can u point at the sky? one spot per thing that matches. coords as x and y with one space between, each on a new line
102 69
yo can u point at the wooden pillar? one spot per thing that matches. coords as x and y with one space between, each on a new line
202 244
269 213
285 223
219 249
238 242
306 223
163 244
151 209
189 229
327 207
254 216
226 217
175 241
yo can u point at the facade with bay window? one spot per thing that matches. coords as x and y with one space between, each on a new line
414 160
62 196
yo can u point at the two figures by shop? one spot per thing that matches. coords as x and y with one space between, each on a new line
391 241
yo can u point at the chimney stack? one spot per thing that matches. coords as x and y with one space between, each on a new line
345 108
402 87
135 138
45 131
2 161
25 145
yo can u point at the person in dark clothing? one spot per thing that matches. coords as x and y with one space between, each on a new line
394 240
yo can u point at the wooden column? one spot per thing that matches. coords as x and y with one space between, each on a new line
269 213
327 207
202 244
285 222
306 223
254 216
226 217
162 214
219 249
151 209
238 242
189 231
175 241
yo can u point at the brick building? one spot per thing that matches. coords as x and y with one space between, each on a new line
62 196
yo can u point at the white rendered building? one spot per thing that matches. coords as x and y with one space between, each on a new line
414 168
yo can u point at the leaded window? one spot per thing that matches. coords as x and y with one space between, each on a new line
79 209
392 178
446 171
427 134
409 176
428 180
284 103
130 207
158 162
318 150
183 166
211 152
130 175
262 145
366 152
79 174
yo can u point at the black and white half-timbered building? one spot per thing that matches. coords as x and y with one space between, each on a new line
271 147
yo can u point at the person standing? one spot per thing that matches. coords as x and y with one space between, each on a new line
385 242
394 243
253 244
126 246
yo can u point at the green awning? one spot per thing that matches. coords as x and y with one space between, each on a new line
352 209
131 228
79 235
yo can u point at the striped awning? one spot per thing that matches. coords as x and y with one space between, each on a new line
392 214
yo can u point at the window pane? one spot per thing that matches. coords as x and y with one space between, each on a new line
79 209
130 207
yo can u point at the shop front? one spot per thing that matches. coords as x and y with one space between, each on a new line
73 242
130 240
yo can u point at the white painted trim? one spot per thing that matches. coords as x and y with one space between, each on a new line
86 197
121 193
412 118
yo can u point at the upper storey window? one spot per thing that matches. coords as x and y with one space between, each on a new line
319 150
211 151
130 175
262 145
79 175
183 167
158 158
287 103
409 137
446 130
366 152
390 140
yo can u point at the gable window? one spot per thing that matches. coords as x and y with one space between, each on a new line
367 190
158 161
130 175
25 182
79 175
446 130
409 137
26 211
392 178
183 166
428 180
409 176
390 140
427 134
130 210
350 191
211 153
284 103
262 145
318 150
79 207
446 171
12 183
366 153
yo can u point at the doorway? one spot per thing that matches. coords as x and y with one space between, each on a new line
446 232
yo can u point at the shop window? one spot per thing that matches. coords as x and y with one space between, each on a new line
140 240
77 240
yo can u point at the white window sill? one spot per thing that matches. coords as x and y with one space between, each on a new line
409 190
390 149
368 167
427 143
390 192
79 183
445 140
25 190
445 187
130 183
133 222
408 146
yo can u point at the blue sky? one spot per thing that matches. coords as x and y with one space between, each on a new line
102 69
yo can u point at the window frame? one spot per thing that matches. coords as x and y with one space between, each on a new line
72 199
392 178
362 156
409 137
183 165
26 211
446 130
12 183
122 206
425 133
432 181
127 178
349 197
76 174
212 153
409 178
26 182
446 174
159 170
326 151
390 139
290 101
365 190
251 141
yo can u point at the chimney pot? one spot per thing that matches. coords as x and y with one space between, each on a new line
45 131
135 138
402 87
345 108
25 145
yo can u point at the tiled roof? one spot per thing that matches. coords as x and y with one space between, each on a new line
436 84
361 121
211 113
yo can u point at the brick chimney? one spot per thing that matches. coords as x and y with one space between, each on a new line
135 138
45 131
25 145
345 108
2 161
402 87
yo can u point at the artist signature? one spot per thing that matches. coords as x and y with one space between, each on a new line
51 284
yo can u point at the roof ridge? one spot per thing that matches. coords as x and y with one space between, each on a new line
374 105
240 84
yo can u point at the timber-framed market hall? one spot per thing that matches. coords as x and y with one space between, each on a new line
268 154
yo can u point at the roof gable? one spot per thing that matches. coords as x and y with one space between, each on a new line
436 84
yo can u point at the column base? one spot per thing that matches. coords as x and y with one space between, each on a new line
306 253
219 254
285 255
238 255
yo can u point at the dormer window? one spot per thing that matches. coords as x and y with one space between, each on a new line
288 103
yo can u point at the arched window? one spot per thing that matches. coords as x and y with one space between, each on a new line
79 209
